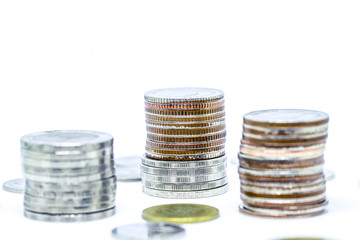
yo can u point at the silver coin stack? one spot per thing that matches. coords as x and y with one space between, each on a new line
69 175
281 162
185 145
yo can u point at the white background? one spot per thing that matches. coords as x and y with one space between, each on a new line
75 64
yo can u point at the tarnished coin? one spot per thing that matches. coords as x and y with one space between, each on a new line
14 186
128 168
148 231
188 94
181 213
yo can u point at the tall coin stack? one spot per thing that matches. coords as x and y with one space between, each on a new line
69 175
281 163
185 145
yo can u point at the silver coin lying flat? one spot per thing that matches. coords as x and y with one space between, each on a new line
14 186
145 231
128 168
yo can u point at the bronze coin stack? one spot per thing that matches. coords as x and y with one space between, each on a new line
281 162
185 145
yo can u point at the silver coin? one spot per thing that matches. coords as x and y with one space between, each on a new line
290 172
284 185
66 139
68 172
200 156
189 179
68 155
148 231
128 168
172 95
260 200
329 175
69 217
291 116
64 164
282 137
183 164
183 172
67 179
283 191
71 186
184 125
14 186
185 187
68 202
186 194
298 211
87 193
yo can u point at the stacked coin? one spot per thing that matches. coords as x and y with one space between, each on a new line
281 163
185 145
69 175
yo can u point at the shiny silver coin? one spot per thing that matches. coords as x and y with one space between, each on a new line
148 231
66 139
78 156
285 201
182 164
290 172
128 168
184 157
79 194
185 187
14 186
64 164
68 172
186 194
183 172
71 186
69 209
69 217
188 179
286 116
68 179
174 95
68 202
285 131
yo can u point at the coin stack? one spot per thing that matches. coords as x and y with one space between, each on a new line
185 145
281 163
69 175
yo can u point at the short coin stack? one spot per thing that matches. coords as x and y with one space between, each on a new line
185 146
281 163
69 175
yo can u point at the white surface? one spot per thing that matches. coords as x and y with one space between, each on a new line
85 65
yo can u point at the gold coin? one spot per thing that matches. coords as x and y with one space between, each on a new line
181 213
198 105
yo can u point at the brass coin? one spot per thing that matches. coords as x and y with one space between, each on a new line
185 131
182 139
181 213
184 152
185 146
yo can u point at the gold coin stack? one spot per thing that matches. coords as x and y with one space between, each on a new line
281 163
185 145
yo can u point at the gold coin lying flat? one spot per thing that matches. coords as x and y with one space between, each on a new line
180 213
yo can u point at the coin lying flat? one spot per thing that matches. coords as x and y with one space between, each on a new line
181 213
128 168
148 231
14 186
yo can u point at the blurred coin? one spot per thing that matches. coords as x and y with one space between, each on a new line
329 175
182 164
128 168
14 186
148 231
181 213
